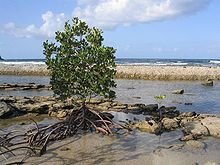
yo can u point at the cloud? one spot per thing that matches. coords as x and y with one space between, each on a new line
112 13
51 23
108 14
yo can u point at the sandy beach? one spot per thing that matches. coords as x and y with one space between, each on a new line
128 72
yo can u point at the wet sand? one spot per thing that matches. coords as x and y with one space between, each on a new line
128 72
93 149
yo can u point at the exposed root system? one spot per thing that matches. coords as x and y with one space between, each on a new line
36 140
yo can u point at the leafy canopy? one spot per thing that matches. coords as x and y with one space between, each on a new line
79 63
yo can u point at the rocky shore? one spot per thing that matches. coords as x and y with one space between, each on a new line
157 119
147 119
128 72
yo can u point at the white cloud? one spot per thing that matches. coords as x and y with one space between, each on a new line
112 13
109 14
51 23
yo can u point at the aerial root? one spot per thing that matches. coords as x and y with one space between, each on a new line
82 119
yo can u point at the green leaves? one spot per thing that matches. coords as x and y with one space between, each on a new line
160 97
80 64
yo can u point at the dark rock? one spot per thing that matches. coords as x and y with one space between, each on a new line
7 111
65 149
150 108
188 103
130 88
136 97
178 91
108 115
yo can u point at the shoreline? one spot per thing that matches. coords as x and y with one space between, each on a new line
128 72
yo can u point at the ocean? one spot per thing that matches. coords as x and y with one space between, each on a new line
203 99
135 61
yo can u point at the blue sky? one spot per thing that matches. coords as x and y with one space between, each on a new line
136 28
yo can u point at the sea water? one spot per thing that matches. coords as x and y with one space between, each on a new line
198 98
96 149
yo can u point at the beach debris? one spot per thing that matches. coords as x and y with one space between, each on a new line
208 82
178 91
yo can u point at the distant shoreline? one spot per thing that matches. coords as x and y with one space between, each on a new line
128 71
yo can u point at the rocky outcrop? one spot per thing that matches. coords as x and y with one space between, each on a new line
29 86
156 121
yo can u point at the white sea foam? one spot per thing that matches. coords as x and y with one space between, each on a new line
22 62
155 64
214 61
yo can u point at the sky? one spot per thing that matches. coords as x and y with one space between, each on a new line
182 29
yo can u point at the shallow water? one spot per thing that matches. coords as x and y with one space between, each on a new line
203 99
136 147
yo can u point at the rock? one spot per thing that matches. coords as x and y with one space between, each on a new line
208 82
102 108
170 108
148 126
119 107
136 97
187 138
65 149
108 115
94 101
41 108
213 125
170 124
8 99
135 110
196 129
187 114
151 107
195 144
7 111
188 103
62 114
178 91
106 104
